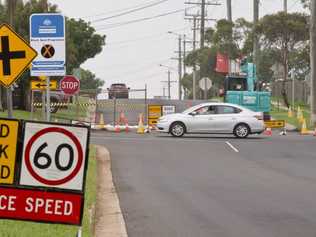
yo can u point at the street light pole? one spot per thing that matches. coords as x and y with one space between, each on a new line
169 85
180 67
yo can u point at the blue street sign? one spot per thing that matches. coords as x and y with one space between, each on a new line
47 37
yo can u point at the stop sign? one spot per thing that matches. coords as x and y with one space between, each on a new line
70 85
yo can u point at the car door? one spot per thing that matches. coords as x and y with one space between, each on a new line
226 118
201 120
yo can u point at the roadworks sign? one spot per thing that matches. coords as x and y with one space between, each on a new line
40 85
8 149
275 123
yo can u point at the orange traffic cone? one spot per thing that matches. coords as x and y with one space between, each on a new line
268 132
126 126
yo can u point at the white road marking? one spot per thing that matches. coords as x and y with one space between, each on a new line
232 147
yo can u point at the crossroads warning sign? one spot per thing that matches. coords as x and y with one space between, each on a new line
15 55
8 149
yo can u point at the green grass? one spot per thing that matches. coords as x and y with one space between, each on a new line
281 114
9 228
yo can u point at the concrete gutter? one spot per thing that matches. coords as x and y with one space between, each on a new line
109 219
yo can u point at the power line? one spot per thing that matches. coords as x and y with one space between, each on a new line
118 24
157 35
120 10
130 11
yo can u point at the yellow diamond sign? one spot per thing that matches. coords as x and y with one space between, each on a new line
15 55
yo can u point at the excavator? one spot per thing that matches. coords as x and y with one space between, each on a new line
242 89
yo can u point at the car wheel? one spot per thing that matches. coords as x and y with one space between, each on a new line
177 129
242 130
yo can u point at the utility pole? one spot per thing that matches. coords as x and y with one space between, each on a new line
184 54
199 17
202 24
180 68
194 65
255 38
285 6
229 10
229 18
169 85
11 8
313 61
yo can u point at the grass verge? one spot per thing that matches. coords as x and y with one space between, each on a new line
9 228
282 114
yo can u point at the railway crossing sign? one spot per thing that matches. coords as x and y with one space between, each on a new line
42 85
47 36
15 55
54 156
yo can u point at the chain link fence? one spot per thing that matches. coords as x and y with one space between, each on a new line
301 90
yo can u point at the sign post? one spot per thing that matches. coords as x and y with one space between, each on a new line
47 36
205 84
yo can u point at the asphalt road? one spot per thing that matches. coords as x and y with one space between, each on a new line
214 186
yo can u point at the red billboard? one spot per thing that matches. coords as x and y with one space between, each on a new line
41 206
222 62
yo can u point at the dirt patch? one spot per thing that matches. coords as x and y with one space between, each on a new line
109 220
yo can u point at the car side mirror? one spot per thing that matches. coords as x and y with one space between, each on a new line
193 113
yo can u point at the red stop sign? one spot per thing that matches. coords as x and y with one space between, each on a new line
70 85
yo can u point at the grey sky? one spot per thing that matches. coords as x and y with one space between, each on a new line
137 62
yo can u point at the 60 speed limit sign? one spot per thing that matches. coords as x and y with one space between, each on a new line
54 156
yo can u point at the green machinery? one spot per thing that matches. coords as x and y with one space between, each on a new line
242 90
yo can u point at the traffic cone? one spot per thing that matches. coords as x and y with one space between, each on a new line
117 128
304 130
268 132
141 128
126 126
290 113
299 115
101 121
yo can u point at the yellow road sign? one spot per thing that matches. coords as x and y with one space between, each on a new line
15 55
154 113
275 123
8 146
40 85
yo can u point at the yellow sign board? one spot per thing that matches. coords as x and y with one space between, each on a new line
15 55
40 85
154 113
275 123
8 148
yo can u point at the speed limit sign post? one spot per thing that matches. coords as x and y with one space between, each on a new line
54 156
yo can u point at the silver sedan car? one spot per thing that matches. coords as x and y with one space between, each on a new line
217 118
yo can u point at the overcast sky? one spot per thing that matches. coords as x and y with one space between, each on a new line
136 62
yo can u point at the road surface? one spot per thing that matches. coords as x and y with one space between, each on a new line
214 186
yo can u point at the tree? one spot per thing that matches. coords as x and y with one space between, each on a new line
89 81
283 33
